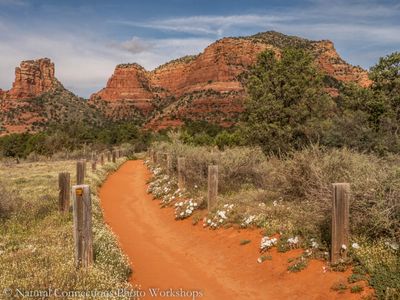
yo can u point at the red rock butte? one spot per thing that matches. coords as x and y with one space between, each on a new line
32 78
207 86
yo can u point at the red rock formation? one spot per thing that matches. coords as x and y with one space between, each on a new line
37 98
217 69
128 88
330 62
32 78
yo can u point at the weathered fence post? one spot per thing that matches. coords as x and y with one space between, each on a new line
102 159
212 186
82 208
64 181
340 221
94 165
80 172
164 159
114 157
169 164
181 173
154 156
109 156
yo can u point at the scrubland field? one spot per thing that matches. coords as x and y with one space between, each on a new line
292 196
36 240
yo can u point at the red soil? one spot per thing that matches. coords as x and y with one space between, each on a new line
165 253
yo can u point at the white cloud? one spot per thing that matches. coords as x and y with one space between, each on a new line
133 45
215 25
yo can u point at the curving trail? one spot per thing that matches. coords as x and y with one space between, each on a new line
168 254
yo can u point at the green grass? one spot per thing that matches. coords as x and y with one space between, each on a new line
339 287
36 241
356 289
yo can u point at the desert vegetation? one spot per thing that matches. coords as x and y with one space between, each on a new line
36 241
276 168
291 196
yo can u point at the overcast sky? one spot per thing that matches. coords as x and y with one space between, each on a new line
86 39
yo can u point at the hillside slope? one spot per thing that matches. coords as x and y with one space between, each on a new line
37 100
207 86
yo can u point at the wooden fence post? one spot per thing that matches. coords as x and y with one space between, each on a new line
181 172
109 156
102 159
154 156
94 165
82 208
212 186
64 181
114 157
169 164
340 221
80 172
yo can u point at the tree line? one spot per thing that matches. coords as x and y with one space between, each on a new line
290 105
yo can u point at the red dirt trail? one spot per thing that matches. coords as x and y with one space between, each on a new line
166 254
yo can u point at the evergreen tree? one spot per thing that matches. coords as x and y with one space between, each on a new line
287 106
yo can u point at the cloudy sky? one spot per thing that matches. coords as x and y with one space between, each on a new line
86 39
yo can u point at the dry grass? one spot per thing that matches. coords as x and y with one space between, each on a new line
292 196
36 242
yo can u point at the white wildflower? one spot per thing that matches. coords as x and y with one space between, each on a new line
355 246
293 241
266 242
222 214
394 246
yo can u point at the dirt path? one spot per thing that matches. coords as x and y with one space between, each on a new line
168 254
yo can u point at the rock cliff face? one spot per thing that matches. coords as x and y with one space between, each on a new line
127 90
207 86
332 64
32 78
38 99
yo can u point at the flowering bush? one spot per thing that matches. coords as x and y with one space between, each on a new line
184 209
219 218
293 242
267 242
247 221
164 188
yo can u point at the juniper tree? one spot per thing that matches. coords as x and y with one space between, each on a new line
288 106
